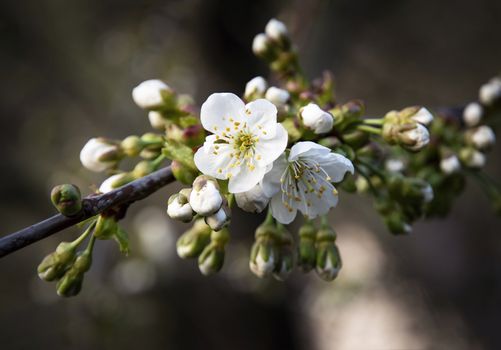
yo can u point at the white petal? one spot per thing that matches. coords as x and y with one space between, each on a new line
271 180
218 109
216 165
269 150
262 118
245 179
252 201
305 149
335 165
319 205
280 212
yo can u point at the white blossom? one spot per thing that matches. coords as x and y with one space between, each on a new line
253 200
423 116
99 155
205 198
473 158
277 96
473 113
450 164
483 137
428 194
255 86
246 140
151 94
316 119
275 29
302 181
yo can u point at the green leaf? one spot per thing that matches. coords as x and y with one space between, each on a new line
183 154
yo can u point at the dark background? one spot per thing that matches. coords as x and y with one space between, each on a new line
67 69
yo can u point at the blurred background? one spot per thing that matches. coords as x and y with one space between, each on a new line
68 68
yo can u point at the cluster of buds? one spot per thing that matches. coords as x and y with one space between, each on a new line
407 128
205 200
67 266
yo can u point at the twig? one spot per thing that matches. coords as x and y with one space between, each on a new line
92 205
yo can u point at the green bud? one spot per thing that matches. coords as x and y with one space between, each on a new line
192 242
307 251
211 259
71 283
328 261
132 146
396 224
183 173
55 264
150 154
143 168
264 256
67 199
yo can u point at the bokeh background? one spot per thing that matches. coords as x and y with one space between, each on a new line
67 69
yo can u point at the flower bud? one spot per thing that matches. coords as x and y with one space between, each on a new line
152 94
115 181
276 30
132 145
205 198
482 137
307 251
192 242
67 199
411 136
179 208
99 154
142 169
183 173
418 114
55 264
219 219
261 46
157 120
211 259
71 283
328 261
316 119
490 93
278 97
255 88
394 165
264 252
252 201
472 158
106 227
472 114
396 223
286 256
450 164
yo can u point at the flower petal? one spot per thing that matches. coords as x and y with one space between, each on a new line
335 165
215 162
269 150
319 204
245 179
262 118
218 109
280 212
271 180
306 149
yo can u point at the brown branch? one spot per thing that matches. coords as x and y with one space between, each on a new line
92 205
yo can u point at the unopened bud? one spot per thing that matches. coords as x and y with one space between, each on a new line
115 181
106 227
205 198
450 164
286 256
472 114
277 96
418 114
482 137
255 88
394 165
219 219
152 94
328 260
316 119
252 201
211 260
100 154
411 136
276 30
472 158
71 283
157 120
307 251
264 252
261 46
397 224
55 264
132 145
192 242
143 168
67 199
490 93
179 208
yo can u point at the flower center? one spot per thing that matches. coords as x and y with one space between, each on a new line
244 144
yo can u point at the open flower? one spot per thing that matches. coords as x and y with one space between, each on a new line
246 140
302 181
